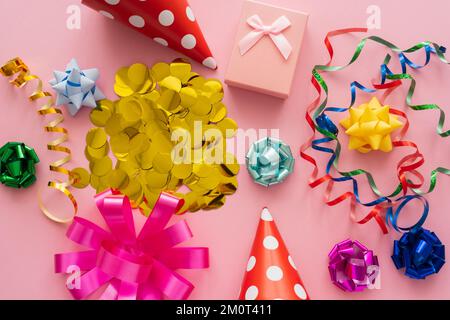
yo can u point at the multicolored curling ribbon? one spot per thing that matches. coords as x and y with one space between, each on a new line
133 266
155 105
22 76
410 179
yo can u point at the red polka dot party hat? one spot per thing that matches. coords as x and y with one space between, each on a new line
271 272
169 23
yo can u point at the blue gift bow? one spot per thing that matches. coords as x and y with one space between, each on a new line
420 252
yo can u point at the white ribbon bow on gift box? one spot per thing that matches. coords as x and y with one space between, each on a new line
274 31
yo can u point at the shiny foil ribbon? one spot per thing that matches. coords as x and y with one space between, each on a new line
17 165
325 122
420 252
352 266
16 67
155 103
269 161
133 266
410 179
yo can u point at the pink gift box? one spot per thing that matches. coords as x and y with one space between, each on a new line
258 60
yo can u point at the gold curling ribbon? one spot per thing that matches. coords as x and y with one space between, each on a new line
16 67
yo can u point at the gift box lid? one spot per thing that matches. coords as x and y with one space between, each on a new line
263 68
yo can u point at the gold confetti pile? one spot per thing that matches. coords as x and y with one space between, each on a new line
138 127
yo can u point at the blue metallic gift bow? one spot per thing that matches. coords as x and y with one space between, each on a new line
420 252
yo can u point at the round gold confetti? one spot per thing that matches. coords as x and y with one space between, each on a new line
170 100
162 163
139 143
202 107
160 71
219 113
188 97
138 73
155 179
96 154
95 181
202 170
134 192
100 115
210 182
120 144
228 127
118 179
130 109
180 70
96 138
113 126
101 167
81 177
167 130
145 159
182 171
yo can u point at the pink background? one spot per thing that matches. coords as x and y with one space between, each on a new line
36 31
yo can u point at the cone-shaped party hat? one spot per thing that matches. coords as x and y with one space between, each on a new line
169 23
271 273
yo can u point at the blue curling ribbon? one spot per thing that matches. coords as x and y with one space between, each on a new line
326 126
269 161
420 252
392 216
324 122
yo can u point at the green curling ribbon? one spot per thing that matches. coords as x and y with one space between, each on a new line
269 161
318 69
17 165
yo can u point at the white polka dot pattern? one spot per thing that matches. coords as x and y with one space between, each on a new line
210 62
166 18
161 41
300 291
188 41
271 271
274 273
265 215
137 21
251 263
270 243
292 263
251 293
190 14
170 23
106 14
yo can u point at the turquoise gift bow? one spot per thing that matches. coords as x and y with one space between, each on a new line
269 161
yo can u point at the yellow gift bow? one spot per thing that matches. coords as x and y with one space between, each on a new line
137 129
370 126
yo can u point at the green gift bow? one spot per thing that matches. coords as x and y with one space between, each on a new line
17 165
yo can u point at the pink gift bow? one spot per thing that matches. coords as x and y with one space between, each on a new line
139 267
274 31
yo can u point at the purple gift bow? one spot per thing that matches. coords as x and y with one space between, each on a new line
139 267
274 31
353 267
